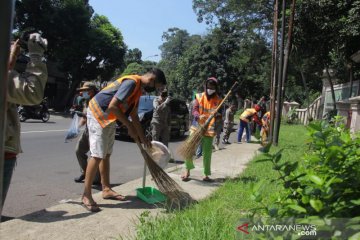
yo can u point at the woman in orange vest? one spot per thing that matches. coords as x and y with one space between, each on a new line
204 105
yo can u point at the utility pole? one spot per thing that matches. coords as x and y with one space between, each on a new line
273 69
279 86
6 17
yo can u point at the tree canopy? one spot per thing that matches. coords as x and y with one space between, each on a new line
85 46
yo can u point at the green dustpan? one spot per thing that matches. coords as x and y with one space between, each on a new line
149 195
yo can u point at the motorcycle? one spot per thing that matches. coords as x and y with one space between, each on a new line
40 111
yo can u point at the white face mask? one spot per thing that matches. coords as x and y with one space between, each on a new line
210 91
86 95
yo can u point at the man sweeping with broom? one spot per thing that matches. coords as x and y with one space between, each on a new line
117 101
204 105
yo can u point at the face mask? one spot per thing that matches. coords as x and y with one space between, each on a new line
149 89
86 95
210 91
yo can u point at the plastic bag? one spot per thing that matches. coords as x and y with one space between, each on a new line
74 129
159 153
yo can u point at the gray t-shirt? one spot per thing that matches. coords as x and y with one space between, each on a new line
121 92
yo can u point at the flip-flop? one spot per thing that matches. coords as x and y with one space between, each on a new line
117 197
91 207
207 179
185 178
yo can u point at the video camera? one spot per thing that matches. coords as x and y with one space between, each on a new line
24 38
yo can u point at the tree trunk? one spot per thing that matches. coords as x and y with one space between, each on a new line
66 102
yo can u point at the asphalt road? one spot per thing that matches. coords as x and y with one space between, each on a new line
45 170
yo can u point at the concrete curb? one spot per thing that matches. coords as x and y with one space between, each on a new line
68 220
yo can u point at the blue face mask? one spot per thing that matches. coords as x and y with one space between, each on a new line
86 95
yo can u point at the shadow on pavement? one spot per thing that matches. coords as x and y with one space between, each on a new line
132 202
215 182
44 216
6 218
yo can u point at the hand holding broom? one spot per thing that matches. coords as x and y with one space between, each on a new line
188 148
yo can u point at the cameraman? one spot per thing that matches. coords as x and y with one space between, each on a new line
24 89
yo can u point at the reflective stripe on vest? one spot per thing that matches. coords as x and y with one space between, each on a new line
266 118
247 114
105 117
207 107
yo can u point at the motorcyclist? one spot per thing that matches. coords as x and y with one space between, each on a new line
39 111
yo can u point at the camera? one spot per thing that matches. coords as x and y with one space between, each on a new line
24 38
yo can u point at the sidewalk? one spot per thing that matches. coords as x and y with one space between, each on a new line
70 220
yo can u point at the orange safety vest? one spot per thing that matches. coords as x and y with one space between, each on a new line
247 114
266 119
105 117
207 107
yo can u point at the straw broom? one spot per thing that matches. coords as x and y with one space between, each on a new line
188 148
164 182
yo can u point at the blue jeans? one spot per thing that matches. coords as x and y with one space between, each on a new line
199 151
9 166
243 125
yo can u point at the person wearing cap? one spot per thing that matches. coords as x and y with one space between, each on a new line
88 91
204 105
160 120
245 119
117 101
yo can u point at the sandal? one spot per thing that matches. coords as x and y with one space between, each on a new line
116 196
91 207
207 179
185 177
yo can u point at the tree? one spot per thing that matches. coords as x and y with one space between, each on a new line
176 43
133 55
134 68
327 33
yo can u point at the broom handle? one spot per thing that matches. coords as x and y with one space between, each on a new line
144 175
142 153
220 105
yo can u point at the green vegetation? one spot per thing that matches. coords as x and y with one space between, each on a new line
322 186
218 216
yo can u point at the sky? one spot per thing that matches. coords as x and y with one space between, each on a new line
142 22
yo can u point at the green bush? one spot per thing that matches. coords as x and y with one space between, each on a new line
326 184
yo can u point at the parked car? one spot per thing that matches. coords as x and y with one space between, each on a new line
179 123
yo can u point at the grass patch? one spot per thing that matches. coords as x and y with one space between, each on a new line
217 216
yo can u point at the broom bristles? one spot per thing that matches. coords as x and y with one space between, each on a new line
188 148
164 182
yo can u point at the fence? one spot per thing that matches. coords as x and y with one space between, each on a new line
311 113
